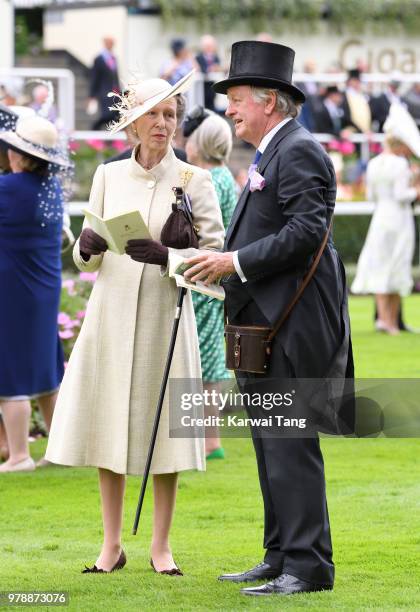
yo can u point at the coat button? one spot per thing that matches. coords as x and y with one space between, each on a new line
151 184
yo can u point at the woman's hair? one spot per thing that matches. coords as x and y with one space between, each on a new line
177 45
393 143
181 106
32 164
213 139
4 161
285 104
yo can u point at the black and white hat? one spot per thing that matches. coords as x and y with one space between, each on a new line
37 137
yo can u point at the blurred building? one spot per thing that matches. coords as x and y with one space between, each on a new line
142 38
71 32
6 34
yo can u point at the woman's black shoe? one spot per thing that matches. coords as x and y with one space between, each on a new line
175 571
119 565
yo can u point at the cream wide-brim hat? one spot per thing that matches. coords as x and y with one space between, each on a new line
37 137
142 96
401 125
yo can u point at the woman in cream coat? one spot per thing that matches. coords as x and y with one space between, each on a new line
108 397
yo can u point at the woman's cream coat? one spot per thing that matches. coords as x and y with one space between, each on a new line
108 396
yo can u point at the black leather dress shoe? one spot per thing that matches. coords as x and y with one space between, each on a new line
286 585
262 571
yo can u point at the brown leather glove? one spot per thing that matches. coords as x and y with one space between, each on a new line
147 251
90 243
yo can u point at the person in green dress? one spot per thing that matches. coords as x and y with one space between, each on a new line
209 147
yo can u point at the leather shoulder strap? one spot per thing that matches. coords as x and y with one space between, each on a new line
304 284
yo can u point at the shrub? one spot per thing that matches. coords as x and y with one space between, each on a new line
75 293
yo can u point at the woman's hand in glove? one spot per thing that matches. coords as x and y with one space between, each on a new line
90 243
147 251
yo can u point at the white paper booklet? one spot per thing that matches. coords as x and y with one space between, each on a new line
119 229
177 267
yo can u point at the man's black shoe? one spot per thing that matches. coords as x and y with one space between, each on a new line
262 571
286 585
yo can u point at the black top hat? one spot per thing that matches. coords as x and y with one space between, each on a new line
354 73
331 89
261 64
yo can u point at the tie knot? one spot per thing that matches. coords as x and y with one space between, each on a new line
253 167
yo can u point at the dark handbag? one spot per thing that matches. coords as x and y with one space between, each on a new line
179 231
248 347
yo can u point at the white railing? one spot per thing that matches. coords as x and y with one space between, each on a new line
361 139
84 135
105 135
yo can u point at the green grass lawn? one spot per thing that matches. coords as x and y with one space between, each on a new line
51 525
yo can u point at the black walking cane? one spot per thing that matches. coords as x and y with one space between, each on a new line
182 291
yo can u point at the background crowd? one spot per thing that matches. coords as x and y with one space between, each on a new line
347 115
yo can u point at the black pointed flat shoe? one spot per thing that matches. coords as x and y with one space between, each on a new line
175 571
122 560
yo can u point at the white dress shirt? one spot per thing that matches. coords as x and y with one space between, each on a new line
261 147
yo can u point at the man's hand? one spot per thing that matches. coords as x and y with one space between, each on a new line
92 106
209 267
147 251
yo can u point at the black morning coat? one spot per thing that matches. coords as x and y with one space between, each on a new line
277 231
102 81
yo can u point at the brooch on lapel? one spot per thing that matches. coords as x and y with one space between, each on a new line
186 175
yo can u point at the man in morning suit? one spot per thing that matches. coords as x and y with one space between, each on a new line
104 79
275 231
328 115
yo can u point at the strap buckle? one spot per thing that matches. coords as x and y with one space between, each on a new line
237 350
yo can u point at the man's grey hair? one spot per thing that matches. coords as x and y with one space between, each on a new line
285 104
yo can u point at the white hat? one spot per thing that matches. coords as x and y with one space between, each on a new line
142 96
37 137
401 125
23 111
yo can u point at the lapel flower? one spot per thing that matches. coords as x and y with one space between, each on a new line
256 181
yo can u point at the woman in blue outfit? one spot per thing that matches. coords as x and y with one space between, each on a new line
31 214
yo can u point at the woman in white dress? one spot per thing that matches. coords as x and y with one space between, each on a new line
384 266
108 397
